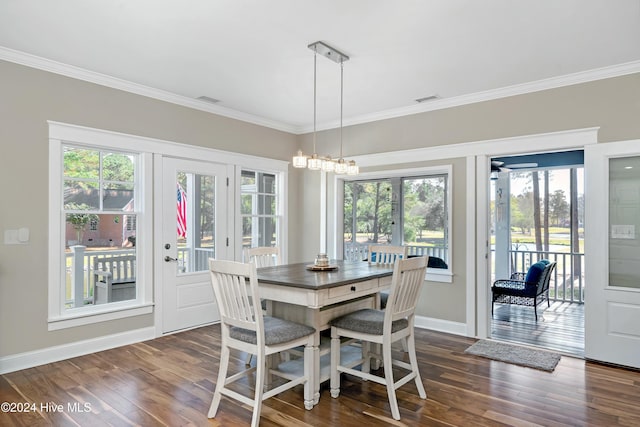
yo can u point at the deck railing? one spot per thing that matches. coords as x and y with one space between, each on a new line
360 251
79 274
567 282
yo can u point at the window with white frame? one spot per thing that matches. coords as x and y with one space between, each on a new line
98 186
259 208
97 272
411 210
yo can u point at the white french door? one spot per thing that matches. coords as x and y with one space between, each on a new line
612 253
194 229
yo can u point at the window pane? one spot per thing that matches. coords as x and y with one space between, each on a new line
81 195
425 216
267 205
118 167
397 211
118 197
624 222
367 215
247 204
248 178
81 163
100 253
259 208
268 184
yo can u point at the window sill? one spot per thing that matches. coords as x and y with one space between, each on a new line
95 315
443 276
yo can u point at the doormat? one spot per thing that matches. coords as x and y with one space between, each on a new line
515 354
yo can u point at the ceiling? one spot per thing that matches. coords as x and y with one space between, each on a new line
252 55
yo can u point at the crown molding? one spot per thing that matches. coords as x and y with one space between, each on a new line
439 104
519 89
521 144
44 64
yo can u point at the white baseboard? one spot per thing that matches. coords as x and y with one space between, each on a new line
440 325
16 362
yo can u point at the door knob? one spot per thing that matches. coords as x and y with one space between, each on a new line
169 259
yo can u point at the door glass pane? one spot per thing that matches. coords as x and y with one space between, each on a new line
624 222
195 221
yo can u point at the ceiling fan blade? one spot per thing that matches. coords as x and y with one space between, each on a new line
496 165
522 166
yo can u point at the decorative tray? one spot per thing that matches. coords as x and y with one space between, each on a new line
330 267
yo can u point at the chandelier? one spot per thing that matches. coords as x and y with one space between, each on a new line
315 162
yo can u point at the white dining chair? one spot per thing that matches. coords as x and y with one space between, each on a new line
245 328
384 328
386 255
262 256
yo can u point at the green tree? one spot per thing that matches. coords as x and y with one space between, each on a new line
558 207
522 211
117 167
85 165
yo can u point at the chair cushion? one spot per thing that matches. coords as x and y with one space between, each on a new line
535 271
276 331
367 321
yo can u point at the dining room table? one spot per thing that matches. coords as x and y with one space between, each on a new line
315 295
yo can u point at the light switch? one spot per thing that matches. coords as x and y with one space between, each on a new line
16 237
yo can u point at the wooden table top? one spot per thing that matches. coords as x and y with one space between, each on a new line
297 275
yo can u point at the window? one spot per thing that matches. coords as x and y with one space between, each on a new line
97 186
259 209
411 210
97 215
131 223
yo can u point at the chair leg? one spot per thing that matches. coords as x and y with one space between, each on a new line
257 400
366 356
335 361
247 361
222 376
411 342
388 376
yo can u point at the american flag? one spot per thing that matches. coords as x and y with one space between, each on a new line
182 212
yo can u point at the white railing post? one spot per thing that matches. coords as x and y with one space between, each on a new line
77 275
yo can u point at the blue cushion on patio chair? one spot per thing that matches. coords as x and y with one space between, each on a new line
535 271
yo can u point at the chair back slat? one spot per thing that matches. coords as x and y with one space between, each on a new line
235 288
408 277
265 256
386 254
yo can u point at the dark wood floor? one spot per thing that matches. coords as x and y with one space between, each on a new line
559 327
169 381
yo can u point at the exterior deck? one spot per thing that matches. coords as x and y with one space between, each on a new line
559 327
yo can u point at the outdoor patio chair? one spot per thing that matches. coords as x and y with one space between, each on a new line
528 289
